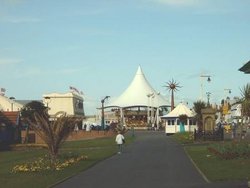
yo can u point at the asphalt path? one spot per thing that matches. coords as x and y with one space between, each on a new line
154 160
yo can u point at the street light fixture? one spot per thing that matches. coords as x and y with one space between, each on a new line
12 98
102 101
47 101
227 98
228 90
202 86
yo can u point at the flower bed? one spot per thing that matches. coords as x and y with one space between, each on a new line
232 150
44 163
184 137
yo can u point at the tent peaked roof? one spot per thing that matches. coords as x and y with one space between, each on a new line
137 94
180 109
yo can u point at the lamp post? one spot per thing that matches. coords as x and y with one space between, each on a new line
152 110
12 102
47 101
157 111
148 118
229 91
202 85
102 101
208 98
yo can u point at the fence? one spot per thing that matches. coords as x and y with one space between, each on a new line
215 135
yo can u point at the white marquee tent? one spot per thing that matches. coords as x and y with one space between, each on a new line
139 93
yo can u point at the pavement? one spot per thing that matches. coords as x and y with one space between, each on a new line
153 160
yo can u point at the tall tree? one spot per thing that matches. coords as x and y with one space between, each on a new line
245 105
245 100
198 106
28 112
34 106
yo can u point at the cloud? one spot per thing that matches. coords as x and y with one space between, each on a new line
13 2
214 11
68 71
95 32
9 61
177 2
21 20
88 12
37 71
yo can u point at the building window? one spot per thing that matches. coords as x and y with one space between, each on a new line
80 105
172 121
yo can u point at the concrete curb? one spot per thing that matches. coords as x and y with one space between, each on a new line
200 172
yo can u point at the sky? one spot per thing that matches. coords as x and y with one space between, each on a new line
96 46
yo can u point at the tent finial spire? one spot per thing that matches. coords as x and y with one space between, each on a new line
139 70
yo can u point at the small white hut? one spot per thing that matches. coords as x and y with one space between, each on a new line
173 121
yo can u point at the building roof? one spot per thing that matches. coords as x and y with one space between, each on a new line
64 95
9 118
139 93
245 68
180 109
24 102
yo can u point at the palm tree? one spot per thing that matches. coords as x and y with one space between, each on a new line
53 133
173 87
198 106
28 112
245 104
245 100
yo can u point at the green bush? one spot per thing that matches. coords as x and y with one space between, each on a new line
184 137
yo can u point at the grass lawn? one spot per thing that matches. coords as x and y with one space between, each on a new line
216 169
96 150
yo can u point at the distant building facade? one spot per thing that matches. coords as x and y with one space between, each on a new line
71 103
8 104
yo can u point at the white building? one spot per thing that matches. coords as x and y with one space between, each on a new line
173 121
9 104
71 103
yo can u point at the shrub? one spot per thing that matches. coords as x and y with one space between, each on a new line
184 137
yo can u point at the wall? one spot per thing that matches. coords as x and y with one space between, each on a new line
76 135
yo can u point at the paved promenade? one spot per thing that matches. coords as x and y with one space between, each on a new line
153 161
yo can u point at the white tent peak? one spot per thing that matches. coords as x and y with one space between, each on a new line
180 109
137 94
139 71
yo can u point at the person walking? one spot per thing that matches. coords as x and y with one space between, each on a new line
120 140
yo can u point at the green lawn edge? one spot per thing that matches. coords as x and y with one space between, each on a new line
97 150
211 167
